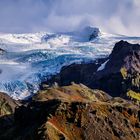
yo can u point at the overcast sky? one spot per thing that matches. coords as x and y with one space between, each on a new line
116 16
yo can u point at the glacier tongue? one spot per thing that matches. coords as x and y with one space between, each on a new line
32 58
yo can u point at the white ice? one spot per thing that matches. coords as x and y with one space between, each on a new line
32 58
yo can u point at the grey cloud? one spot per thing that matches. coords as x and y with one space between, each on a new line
117 16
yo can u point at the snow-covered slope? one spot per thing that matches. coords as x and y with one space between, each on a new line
32 58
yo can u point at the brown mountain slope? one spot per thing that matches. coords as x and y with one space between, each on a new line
74 112
7 109
7 105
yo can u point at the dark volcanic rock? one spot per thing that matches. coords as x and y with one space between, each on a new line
125 55
121 72
1 51
78 73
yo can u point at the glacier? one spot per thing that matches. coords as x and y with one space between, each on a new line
32 58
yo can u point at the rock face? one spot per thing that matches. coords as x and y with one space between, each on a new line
117 76
1 51
122 71
7 109
78 73
7 105
74 112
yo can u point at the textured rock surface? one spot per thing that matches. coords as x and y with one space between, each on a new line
122 70
78 73
7 109
120 74
1 51
7 105
75 112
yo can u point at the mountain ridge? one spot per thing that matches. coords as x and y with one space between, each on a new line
73 112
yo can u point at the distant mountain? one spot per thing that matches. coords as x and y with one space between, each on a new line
84 35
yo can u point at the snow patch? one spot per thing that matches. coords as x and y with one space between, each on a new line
22 38
102 66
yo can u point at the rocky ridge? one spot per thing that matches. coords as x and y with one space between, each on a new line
74 112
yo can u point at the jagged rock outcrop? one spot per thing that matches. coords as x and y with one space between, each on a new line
122 71
7 109
78 73
7 105
1 51
74 112
118 75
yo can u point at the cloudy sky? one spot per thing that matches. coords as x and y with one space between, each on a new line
116 16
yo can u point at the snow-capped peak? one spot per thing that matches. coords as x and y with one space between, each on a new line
87 34
27 38
82 35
